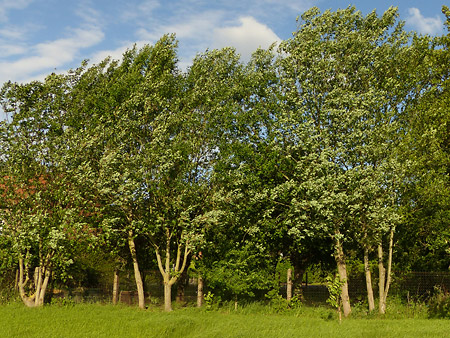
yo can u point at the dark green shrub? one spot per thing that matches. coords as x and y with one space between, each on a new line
439 304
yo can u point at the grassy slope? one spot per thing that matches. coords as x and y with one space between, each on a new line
108 321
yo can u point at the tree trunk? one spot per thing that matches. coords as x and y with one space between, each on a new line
167 297
37 284
199 291
381 281
171 276
137 273
368 281
342 271
289 285
29 301
16 281
43 287
385 276
115 294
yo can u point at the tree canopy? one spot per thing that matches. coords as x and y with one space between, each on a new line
332 146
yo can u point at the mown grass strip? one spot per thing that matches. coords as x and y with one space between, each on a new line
93 320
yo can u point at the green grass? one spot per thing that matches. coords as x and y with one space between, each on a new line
94 320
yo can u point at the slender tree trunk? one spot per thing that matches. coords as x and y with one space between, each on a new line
37 284
199 291
389 270
16 281
342 271
167 297
368 281
289 285
137 273
43 288
381 281
115 294
27 300
170 277
385 276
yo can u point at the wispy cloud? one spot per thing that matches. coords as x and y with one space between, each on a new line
423 24
295 5
49 55
209 28
89 15
7 5
197 26
32 60
143 9
10 49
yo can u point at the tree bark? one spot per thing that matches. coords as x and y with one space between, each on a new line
171 276
199 291
115 294
137 273
37 284
29 301
41 278
289 285
385 276
16 281
381 280
368 281
167 297
43 287
342 271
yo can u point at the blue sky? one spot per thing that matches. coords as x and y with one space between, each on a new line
38 37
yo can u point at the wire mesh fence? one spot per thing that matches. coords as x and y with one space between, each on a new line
409 286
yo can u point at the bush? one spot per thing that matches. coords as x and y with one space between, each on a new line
439 304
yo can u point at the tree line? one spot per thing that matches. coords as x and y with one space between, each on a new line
334 144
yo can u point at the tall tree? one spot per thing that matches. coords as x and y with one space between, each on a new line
342 98
426 202
39 213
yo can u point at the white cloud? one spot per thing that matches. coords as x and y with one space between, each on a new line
144 8
198 26
8 49
422 24
295 5
7 5
88 14
210 29
246 37
116 54
49 55
13 33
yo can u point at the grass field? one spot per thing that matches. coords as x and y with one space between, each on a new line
95 320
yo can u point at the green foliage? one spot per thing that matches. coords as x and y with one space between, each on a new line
439 304
334 286
212 302
62 301
276 301
324 147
